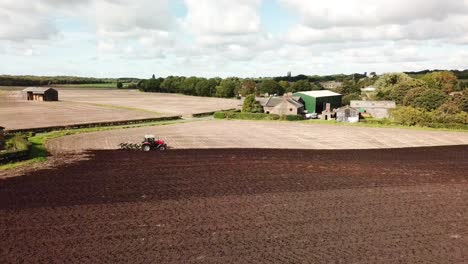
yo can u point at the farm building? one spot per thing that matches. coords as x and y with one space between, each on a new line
40 94
369 89
377 109
328 113
347 114
286 105
331 85
2 138
316 101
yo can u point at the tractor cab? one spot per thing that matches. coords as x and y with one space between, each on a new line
150 139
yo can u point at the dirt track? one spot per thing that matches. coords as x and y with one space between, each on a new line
250 134
242 206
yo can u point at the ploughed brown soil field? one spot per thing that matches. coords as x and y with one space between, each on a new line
242 206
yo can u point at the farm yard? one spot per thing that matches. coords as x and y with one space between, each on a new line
250 134
77 106
241 206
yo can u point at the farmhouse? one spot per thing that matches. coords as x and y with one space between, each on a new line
377 109
316 101
287 105
347 114
40 94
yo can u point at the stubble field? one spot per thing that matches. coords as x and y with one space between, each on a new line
251 134
99 105
242 206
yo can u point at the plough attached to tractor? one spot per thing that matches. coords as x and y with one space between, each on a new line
149 143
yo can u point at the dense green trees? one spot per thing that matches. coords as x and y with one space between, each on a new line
444 81
346 100
429 92
228 87
387 82
188 85
425 98
269 86
410 116
119 85
248 87
171 84
399 90
150 85
9 80
251 105
206 87
299 86
286 86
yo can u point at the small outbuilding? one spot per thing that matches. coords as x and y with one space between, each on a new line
331 85
40 94
286 105
377 109
347 114
316 101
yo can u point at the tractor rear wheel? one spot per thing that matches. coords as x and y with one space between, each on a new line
146 148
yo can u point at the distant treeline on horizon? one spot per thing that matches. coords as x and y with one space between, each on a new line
30 80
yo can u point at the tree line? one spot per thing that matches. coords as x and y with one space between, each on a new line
29 80
228 87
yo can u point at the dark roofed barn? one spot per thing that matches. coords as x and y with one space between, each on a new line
40 94
286 105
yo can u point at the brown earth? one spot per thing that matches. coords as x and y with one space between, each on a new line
241 206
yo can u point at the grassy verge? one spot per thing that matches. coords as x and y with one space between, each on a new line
254 116
385 125
378 123
39 152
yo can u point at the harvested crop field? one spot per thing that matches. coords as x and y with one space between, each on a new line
242 206
77 106
251 134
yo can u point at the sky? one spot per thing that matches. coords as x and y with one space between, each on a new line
244 38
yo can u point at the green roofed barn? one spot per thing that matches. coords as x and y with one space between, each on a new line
316 101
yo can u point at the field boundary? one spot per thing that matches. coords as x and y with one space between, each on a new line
210 113
92 124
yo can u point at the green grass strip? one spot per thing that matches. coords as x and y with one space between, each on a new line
39 152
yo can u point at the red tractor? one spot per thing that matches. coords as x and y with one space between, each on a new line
150 143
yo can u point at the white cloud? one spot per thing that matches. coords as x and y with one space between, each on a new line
223 21
453 29
230 37
338 13
133 29
23 20
372 22
125 17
